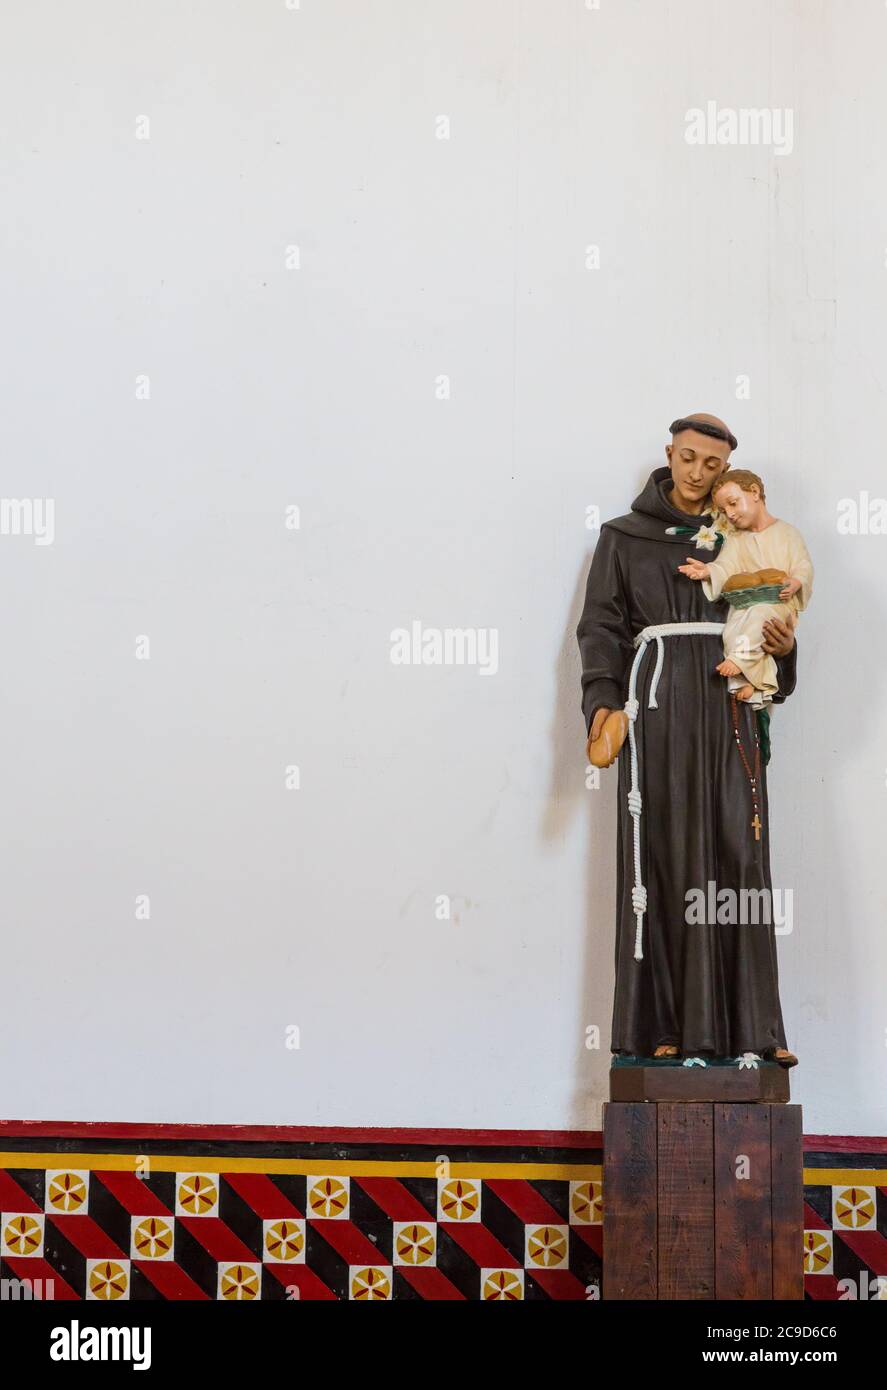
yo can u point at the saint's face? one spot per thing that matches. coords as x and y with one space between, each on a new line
740 507
696 463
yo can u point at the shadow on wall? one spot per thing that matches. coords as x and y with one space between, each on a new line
597 789
815 773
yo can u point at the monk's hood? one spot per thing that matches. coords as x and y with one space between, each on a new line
652 514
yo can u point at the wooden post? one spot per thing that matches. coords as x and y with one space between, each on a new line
703 1192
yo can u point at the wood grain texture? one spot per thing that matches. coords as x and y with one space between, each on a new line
787 1200
686 1201
743 1245
630 1195
763 1084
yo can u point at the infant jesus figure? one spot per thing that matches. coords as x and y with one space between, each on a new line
763 570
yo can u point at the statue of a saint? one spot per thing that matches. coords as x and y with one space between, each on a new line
693 812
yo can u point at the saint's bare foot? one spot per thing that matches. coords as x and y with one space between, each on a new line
666 1050
782 1056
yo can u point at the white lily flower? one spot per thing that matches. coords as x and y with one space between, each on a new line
707 537
750 1060
695 1062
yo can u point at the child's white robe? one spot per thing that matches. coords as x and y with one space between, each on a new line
778 546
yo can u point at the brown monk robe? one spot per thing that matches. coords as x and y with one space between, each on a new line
700 989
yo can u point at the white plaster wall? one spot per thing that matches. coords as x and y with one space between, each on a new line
271 387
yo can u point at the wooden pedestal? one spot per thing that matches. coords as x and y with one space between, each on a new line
703 1194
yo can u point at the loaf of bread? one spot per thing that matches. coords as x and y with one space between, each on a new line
754 579
604 750
742 581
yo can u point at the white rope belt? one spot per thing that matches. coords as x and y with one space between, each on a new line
642 641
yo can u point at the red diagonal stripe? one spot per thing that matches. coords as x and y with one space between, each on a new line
526 1203
171 1280
813 1221
480 1244
821 1286
260 1193
593 1236
311 1287
41 1269
14 1198
350 1242
559 1284
218 1239
134 1195
88 1237
430 1283
395 1200
870 1246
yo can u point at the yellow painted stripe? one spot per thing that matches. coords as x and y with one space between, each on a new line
358 1168
849 1177
375 1168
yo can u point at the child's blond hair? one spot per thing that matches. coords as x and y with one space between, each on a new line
742 477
